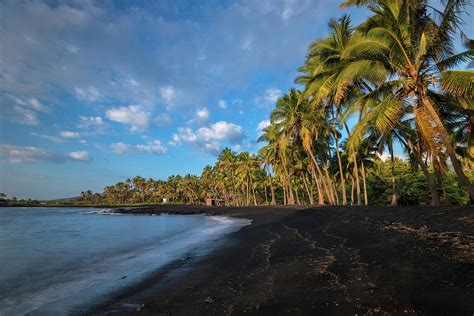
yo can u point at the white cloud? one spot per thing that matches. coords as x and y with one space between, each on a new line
131 115
163 119
79 155
209 138
133 82
152 147
167 93
269 97
32 103
54 139
386 156
272 95
24 116
71 48
37 105
90 122
89 94
21 154
221 131
69 134
222 104
262 125
120 148
202 114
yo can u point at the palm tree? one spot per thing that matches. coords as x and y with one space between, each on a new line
322 68
416 52
227 162
279 144
268 157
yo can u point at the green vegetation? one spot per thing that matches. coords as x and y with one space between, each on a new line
397 75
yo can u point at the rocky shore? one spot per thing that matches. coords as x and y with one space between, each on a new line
319 261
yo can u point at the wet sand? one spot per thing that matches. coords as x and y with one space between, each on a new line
318 260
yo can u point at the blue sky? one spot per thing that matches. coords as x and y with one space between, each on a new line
93 92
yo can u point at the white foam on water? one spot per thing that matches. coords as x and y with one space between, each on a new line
57 292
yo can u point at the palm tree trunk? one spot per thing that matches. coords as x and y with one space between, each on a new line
266 195
273 202
253 191
356 172
332 200
321 177
431 184
284 194
247 193
425 170
310 194
297 195
318 185
291 198
356 168
394 183
333 181
366 200
341 174
463 180
352 188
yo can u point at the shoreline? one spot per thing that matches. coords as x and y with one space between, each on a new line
323 260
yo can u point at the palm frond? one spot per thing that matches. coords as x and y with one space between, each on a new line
458 82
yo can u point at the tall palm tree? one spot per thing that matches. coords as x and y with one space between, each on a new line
415 48
323 66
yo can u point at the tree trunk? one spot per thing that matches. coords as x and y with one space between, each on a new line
297 195
352 188
273 202
329 184
366 200
321 176
426 172
291 198
341 174
394 182
248 192
266 195
318 185
356 168
431 184
333 181
463 180
308 191
253 192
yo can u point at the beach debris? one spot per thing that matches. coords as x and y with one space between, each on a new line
140 307
210 300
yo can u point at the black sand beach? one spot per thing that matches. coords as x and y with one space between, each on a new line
319 261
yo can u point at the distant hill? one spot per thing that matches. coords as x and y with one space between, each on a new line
68 199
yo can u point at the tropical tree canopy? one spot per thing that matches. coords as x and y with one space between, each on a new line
398 76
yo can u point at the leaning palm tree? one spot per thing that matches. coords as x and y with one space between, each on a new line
320 72
416 51
280 143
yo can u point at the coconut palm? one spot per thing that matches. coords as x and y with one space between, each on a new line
415 49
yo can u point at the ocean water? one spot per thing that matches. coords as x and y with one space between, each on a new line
55 259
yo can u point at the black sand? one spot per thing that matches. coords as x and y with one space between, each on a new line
319 261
